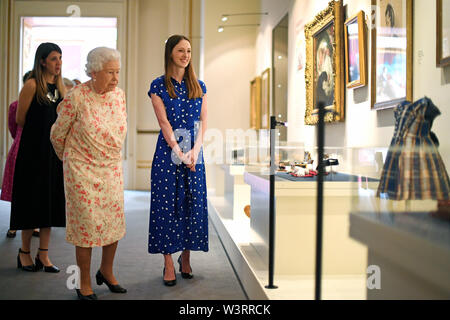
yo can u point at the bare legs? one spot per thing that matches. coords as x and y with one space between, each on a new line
185 261
44 240
169 274
25 259
170 270
106 268
83 256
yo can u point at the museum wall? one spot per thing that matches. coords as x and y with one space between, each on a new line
362 127
229 65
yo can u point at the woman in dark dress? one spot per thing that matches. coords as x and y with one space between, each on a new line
178 208
38 186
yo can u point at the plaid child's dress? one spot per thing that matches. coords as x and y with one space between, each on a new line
413 169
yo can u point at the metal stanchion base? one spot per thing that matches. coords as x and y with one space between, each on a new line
271 287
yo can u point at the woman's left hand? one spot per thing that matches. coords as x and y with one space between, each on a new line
194 158
189 160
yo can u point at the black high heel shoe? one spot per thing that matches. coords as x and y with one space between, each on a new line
88 297
30 268
40 265
185 275
169 283
116 288
11 234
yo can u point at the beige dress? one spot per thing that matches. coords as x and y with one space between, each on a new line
88 136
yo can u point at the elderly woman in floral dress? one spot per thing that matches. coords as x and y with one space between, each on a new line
88 136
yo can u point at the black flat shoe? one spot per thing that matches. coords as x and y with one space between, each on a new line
185 275
116 288
40 265
11 234
89 297
30 268
169 283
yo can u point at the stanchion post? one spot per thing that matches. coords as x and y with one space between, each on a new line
273 124
319 223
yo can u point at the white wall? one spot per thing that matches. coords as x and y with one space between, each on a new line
229 66
156 21
429 80
229 63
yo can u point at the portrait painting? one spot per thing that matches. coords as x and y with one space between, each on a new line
324 70
324 80
442 33
392 53
355 51
265 99
255 103
354 70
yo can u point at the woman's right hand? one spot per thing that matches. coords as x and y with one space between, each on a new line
188 160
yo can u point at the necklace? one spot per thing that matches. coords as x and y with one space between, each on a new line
53 97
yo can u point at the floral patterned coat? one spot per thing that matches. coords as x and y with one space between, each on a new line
88 136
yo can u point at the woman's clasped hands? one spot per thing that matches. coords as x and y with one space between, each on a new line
190 159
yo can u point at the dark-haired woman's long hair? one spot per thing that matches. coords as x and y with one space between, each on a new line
37 73
194 89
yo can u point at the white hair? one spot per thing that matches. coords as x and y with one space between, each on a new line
98 57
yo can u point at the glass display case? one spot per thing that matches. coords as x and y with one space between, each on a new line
403 220
359 222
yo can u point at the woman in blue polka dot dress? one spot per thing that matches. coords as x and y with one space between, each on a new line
178 205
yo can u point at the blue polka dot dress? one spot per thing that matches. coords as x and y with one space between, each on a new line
178 205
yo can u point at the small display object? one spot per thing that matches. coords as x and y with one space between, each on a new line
305 168
247 210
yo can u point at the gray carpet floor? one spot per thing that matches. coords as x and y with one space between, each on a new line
135 269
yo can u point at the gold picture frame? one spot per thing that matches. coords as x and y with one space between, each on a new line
392 53
265 100
355 51
255 103
324 72
442 47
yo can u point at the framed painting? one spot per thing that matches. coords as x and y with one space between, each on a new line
355 51
255 103
442 33
265 100
324 72
392 54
